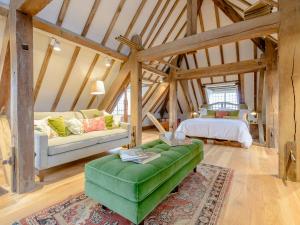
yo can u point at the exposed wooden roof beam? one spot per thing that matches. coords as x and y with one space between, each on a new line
230 12
48 54
150 18
224 69
156 22
270 2
32 7
62 12
70 36
113 22
164 22
238 31
76 38
75 55
154 70
132 23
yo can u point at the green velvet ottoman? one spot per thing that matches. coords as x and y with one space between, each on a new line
134 190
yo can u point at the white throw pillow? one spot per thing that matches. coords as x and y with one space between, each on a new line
117 120
243 114
74 125
43 127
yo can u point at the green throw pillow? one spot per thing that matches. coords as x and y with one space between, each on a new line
211 113
207 116
58 125
234 113
109 121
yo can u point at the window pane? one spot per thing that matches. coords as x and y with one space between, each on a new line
222 94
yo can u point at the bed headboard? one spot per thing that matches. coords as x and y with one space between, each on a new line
224 105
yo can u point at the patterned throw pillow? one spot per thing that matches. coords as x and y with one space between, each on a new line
109 121
221 114
58 124
94 124
74 125
43 127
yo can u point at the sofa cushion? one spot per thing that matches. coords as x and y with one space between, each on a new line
111 135
65 144
135 182
65 115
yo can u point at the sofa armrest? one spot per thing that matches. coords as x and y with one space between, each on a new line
41 150
126 126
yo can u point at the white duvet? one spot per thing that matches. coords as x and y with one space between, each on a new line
225 129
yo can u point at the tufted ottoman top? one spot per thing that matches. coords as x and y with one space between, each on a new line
136 181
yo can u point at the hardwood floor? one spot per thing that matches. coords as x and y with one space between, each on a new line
256 196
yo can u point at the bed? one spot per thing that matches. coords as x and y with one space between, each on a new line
220 128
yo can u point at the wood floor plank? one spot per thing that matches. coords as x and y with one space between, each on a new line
256 195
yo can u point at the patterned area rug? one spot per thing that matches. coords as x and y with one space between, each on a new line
198 201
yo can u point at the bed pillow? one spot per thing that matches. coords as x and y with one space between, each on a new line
221 114
207 116
231 117
234 113
75 126
211 113
202 112
59 126
94 124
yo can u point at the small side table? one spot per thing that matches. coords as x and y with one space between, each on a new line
254 130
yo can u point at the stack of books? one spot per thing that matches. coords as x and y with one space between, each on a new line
257 9
138 156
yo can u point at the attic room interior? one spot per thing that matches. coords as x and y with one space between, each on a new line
149 112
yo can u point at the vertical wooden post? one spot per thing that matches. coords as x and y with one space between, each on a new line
136 94
191 8
272 92
289 83
125 106
173 101
21 101
259 106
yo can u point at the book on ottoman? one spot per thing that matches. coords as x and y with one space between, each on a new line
138 156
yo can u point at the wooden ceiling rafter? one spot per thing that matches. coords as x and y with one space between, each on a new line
223 69
164 22
133 21
130 26
235 17
62 12
48 54
221 49
256 27
103 42
156 22
75 55
32 7
155 9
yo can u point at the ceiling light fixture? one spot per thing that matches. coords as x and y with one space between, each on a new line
55 44
107 62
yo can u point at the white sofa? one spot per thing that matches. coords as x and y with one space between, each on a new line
59 150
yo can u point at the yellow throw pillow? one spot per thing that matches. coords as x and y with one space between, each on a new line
58 125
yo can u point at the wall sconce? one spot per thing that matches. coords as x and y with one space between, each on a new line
98 88
107 62
55 44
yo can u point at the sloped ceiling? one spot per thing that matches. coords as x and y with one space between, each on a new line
167 23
